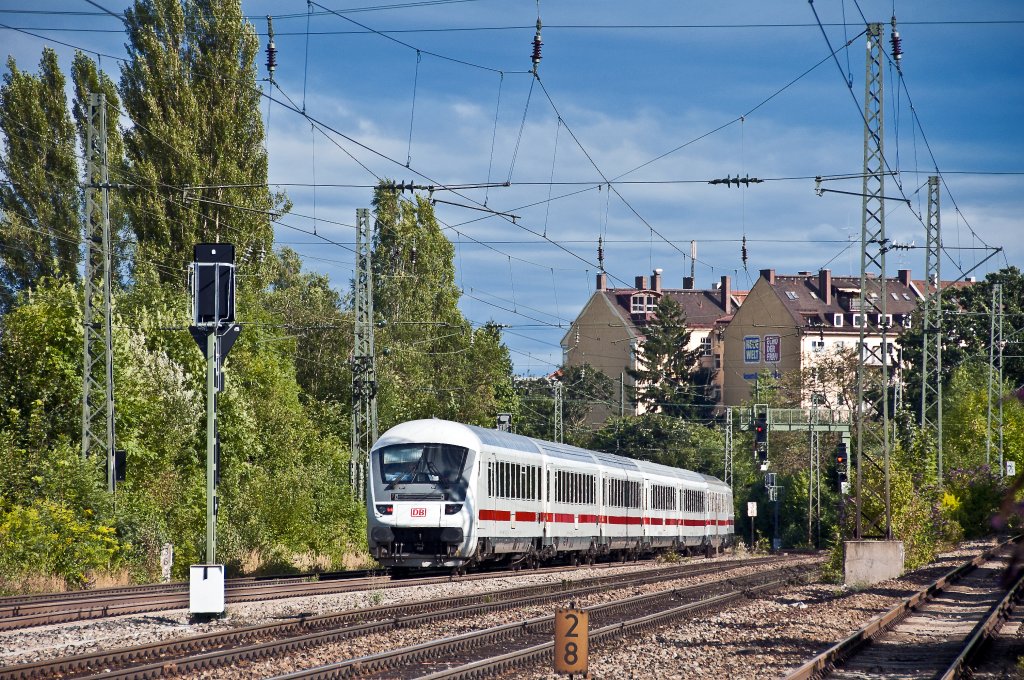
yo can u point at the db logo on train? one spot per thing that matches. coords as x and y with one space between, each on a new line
418 512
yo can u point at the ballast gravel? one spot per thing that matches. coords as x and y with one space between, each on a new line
57 640
759 638
763 638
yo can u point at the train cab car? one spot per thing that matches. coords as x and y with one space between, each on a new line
419 494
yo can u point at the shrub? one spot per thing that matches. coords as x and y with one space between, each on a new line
975 494
46 537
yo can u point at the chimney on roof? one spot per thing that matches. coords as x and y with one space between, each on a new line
602 280
656 280
825 286
726 292
768 275
640 283
687 283
904 277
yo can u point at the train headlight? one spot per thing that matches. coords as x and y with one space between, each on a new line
452 508
386 509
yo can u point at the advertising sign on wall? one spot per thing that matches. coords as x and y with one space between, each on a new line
772 348
752 349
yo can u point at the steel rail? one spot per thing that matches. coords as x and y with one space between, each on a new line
988 626
54 608
822 663
307 631
386 662
9 602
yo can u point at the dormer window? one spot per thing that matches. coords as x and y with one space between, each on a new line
837 320
641 303
857 320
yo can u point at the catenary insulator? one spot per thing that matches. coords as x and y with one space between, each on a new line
536 48
271 48
897 46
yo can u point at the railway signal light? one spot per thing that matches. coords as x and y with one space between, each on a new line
760 430
841 465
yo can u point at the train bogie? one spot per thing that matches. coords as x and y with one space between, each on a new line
442 494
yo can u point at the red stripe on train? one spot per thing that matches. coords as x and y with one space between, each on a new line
566 518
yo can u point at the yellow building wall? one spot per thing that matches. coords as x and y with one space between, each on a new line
761 316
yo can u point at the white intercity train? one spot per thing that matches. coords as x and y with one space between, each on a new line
444 494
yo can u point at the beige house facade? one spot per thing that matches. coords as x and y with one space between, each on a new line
609 330
788 321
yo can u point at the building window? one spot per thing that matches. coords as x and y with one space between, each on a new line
817 345
837 320
718 361
857 320
791 295
642 303
705 346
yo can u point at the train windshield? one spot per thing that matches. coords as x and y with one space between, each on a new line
421 463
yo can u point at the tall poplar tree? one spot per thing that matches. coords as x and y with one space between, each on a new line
87 79
39 191
432 362
195 145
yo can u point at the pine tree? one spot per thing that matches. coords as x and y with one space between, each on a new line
667 372
40 195
196 145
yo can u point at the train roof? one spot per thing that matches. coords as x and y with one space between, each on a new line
518 442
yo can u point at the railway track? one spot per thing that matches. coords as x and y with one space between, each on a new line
936 632
205 652
37 610
504 648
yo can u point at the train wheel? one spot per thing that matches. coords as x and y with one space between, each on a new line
575 559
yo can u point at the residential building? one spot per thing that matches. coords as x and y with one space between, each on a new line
609 330
787 321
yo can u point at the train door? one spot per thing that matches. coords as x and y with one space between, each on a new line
549 496
646 523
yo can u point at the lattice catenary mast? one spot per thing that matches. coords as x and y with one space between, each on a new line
364 370
872 444
931 333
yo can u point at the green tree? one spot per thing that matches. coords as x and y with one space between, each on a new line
966 330
196 147
663 439
39 199
667 374
431 361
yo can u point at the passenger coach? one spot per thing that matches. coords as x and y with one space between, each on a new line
444 494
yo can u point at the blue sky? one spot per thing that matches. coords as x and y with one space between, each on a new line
684 91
